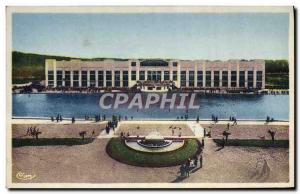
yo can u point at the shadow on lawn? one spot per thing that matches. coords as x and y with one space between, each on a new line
252 143
50 141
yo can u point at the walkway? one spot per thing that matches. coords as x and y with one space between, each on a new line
196 128
40 120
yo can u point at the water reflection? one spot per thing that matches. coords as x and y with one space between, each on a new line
223 106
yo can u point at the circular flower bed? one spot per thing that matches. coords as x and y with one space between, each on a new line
117 149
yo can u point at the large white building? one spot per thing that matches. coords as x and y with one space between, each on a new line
183 73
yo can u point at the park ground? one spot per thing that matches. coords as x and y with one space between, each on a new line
89 163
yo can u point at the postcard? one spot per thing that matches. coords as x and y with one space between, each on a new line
150 97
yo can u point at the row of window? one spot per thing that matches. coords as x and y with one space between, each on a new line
92 79
216 79
157 76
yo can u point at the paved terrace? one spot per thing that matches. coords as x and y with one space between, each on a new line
46 120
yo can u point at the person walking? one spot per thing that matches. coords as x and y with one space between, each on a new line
201 160
187 169
182 172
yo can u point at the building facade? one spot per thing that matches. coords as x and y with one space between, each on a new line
183 73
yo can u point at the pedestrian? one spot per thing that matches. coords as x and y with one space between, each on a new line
196 162
201 160
182 173
187 170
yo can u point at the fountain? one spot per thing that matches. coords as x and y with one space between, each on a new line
154 142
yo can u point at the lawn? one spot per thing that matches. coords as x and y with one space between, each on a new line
117 149
50 141
254 143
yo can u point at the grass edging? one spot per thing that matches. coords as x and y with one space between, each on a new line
117 150
17 142
254 143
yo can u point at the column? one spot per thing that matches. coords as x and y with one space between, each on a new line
104 78
88 78
71 78
171 74
204 74
187 78
113 78
212 78
121 78
162 75
96 78
238 74
129 76
220 78
137 74
54 74
254 77
229 76
246 78
178 75
263 78
63 77
46 74
79 71
196 76
146 74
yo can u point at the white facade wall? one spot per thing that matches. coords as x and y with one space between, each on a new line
213 67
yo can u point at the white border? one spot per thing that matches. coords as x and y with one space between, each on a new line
150 9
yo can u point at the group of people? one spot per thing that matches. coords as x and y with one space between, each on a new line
83 89
192 163
124 135
214 118
269 119
233 119
58 118
111 125
173 130
98 118
186 117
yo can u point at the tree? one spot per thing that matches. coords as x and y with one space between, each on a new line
272 134
82 134
226 134
36 133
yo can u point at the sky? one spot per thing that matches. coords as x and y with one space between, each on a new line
209 36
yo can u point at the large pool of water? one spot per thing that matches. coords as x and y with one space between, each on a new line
78 105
